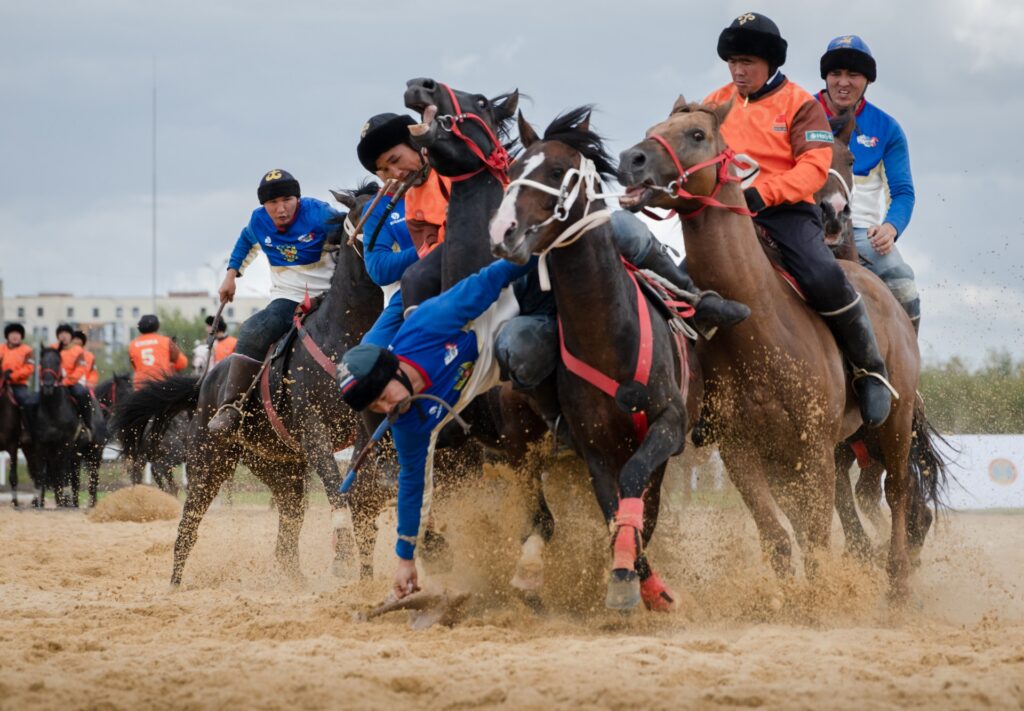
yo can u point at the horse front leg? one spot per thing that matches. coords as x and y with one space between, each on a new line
205 480
288 487
14 476
857 542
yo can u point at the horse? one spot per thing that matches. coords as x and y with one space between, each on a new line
55 431
10 431
89 454
626 420
305 424
776 384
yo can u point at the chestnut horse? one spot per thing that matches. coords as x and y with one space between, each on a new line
777 389
628 405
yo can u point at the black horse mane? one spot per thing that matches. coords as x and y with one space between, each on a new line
838 123
368 186
566 129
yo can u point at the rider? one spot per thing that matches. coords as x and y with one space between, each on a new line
786 132
92 375
16 362
73 370
223 344
413 227
154 356
884 198
292 231
445 348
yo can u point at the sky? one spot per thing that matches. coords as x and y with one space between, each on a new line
246 86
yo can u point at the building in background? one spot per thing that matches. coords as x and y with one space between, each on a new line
110 321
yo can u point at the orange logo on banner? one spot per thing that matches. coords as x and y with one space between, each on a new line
1002 471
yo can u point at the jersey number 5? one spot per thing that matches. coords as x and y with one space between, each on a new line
147 356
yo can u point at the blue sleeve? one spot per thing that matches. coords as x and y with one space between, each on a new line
383 263
453 309
243 246
412 449
896 163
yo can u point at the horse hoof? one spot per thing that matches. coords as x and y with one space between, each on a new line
656 596
623 590
527 579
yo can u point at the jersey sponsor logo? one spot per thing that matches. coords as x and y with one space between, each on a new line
867 141
267 241
779 124
818 136
289 252
451 352
306 238
465 371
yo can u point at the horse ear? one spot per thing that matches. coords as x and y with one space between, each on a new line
723 110
346 199
584 125
679 104
527 136
507 108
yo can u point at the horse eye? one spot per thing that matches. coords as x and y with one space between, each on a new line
557 172
698 135
482 102
850 162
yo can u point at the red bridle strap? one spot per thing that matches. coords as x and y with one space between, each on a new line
723 160
497 162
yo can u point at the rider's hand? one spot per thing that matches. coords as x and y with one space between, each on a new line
405 578
882 238
754 200
227 288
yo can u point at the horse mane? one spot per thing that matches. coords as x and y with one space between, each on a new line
838 123
566 129
503 127
367 186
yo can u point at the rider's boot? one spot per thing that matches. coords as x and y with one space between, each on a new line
852 329
712 310
242 371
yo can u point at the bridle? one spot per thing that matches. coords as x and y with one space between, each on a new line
847 190
584 180
723 160
496 162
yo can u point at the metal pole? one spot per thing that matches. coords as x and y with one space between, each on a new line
154 188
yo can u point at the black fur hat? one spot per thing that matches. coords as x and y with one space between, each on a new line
149 323
65 327
277 183
11 327
754 34
221 326
80 335
382 133
363 374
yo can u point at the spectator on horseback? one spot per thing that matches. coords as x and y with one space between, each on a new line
153 355
443 352
291 230
17 362
223 344
413 227
884 197
785 131
92 375
74 368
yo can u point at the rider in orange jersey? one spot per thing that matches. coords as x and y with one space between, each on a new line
223 344
92 376
153 355
17 362
73 369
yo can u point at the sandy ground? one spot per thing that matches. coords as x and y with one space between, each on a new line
88 620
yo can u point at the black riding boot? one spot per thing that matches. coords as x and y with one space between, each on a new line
712 311
241 372
856 340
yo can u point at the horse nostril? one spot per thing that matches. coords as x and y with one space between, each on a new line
511 229
638 160
429 84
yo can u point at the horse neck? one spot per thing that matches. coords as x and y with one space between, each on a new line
467 249
350 305
593 294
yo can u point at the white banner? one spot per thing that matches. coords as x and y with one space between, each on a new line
989 471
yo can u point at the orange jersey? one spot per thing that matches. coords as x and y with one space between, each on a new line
72 362
426 210
17 359
92 376
222 348
154 357
787 133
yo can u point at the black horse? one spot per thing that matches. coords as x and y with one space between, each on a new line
628 382
55 430
10 431
315 421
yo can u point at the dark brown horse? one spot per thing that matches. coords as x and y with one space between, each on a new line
304 396
56 430
631 415
10 432
776 384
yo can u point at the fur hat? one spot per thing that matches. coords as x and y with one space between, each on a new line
65 327
12 327
222 327
363 374
849 52
754 34
80 335
149 323
382 133
277 183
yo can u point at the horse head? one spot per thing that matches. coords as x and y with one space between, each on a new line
553 185
356 200
656 171
49 370
462 132
835 195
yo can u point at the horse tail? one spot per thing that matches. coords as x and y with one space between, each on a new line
140 419
928 467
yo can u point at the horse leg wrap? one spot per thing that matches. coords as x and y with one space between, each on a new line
656 595
629 522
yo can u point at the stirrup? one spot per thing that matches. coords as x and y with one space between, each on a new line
859 373
235 405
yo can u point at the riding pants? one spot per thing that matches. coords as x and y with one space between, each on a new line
892 270
23 396
800 235
260 330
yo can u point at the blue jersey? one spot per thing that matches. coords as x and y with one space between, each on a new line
393 251
436 341
881 169
297 259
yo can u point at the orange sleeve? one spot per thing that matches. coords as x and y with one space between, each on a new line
181 362
810 137
78 369
178 360
23 372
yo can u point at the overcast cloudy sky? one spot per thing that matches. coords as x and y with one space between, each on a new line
245 86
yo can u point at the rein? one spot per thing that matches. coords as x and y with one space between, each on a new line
723 160
496 162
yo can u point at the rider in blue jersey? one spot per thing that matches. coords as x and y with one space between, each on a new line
883 200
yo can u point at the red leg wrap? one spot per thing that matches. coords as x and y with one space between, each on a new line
656 596
629 522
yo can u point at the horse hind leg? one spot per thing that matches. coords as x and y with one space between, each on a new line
205 480
858 544
747 473
287 487
14 477
895 437
656 595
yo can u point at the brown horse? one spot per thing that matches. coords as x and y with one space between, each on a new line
778 392
628 405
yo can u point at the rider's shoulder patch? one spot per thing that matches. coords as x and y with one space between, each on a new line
820 136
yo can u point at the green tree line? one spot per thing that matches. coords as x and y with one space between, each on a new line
986 400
